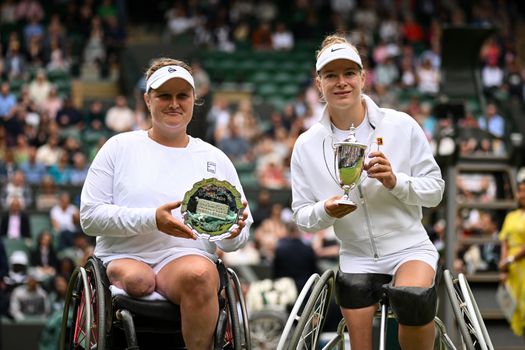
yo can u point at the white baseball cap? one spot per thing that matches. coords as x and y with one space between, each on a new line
337 52
162 75
18 257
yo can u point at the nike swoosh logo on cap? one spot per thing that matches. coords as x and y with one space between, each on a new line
334 49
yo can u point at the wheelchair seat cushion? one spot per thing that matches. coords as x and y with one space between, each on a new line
153 305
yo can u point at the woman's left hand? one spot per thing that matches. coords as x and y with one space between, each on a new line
241 223
379 168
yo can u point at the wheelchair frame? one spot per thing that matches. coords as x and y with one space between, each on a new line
92 315
473 332
308 315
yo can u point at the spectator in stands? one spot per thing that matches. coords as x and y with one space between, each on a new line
18 268
64 220
119 117
141 237
33 29
234 146
492 121
269 232
512 261
8 166
15 62
21 150
15 222
52 103
178 20
43 256
427 78
27 9
50 152
17 188
282 38
46 196
39 88
7 101
29 300
272 174
294 258
69 116
61 171
392 188
79 170
492 76
262 37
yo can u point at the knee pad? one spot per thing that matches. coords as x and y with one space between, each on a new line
358 290
413 306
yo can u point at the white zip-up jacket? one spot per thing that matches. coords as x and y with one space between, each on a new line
385 221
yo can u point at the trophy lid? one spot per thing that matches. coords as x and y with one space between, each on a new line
351 140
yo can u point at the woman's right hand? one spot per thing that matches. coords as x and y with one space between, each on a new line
168 224
336 210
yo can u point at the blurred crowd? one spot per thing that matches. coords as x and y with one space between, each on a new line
47 141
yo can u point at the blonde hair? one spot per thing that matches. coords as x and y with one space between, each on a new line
337 38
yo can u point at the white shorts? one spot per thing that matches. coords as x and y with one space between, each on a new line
389 264
158 261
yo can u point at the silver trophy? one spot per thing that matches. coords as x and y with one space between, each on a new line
348 164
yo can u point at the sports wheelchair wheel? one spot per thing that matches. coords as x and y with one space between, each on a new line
311 321
467 318
298 307
84 320
232 330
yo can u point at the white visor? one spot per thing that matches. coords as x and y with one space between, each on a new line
162 75
337 52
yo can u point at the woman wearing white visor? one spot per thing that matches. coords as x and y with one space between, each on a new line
131 201
384 246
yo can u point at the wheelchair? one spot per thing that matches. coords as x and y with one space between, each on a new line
93 318
472 329
306 320
474 334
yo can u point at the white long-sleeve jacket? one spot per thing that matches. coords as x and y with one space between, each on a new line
385 221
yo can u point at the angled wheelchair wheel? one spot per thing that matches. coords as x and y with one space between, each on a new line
471 335
472 307
297 311
84 321
232 330
238 304
311 322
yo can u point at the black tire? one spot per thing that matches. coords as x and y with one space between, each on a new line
233 314
244 339
100 300
317 303
70 303
72 329
456 299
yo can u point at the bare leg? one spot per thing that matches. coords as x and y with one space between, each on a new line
416 273
359 323
133 276
193 283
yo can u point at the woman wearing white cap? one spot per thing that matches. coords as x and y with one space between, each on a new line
131 199
383 242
